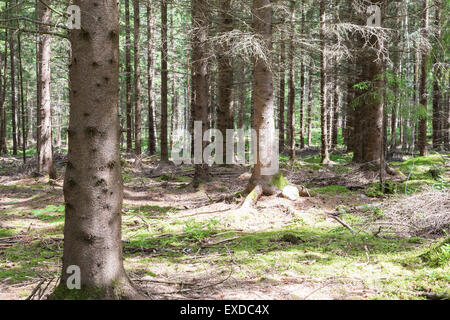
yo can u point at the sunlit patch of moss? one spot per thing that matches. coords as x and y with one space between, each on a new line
438 255
127 177
7 232
23 261
151 210
420 168
50 213
329 190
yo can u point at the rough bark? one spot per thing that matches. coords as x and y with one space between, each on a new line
4 63
200 101
263 100
45 156
13 91
128 76
137 80
302 86
423 95
164 84
93 187
438 113
150 75
291 84
282 94
225 119
323 93
310 101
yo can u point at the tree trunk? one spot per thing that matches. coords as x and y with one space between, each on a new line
128 75
423 98
302 86
282 94
13 91
438 113
137 81
200 101
310 102
323 93
263 99
22 102
4 56
334 131
45 162
150 75
225 68
164 84
291 99
93 188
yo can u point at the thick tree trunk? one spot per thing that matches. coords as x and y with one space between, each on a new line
128 75
200 101
150 75
45 162
93 188
263 98
137 80
164 84
225 111
423 98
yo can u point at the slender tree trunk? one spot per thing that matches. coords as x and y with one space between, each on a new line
395 103
93 188
438 113
200 81
423 98
282 94
241 98
137 80
45 163
128 76
291 84
13 91
323 93
150 75
302 86
310 102
3 148
225 80
22 102
336 89
164 84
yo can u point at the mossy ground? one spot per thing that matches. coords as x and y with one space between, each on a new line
277 250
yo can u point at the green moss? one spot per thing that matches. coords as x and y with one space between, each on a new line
329 190
439 255
85 293
279 181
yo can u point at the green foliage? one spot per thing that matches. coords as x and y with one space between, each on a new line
50 212
329 190
439 255
279 181
196 231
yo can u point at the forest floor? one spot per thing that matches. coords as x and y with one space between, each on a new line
346 241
